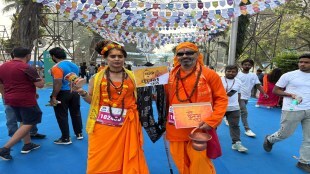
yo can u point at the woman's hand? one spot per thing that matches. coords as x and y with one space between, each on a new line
77 89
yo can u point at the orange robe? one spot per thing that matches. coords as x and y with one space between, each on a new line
210 89
118 150
100 68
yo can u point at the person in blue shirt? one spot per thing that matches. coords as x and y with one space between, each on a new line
63 99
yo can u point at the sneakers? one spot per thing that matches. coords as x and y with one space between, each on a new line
226 121
5 154
239 147
37 136
79 136
267 145
249 133
303 166
29 147
65 141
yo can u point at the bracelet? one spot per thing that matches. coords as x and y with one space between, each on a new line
85 93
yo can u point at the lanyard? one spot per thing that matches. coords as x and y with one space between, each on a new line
227 85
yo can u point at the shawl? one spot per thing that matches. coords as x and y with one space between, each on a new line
94 105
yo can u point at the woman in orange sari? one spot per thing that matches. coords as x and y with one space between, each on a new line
115 134
191 82
269 82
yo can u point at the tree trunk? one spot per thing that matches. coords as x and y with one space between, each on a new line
27 25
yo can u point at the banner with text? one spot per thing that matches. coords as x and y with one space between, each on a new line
191 114
150 76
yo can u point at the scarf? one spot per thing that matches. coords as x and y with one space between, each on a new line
94 105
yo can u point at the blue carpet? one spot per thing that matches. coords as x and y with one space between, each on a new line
51 158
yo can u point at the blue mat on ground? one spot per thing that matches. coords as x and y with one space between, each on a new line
72 159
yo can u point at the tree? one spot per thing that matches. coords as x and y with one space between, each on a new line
26 28
287 61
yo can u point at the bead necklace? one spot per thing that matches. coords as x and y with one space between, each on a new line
122 90
117 88
122 70
178 76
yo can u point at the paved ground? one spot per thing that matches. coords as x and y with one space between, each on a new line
51 158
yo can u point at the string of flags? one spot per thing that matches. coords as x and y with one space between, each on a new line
132 21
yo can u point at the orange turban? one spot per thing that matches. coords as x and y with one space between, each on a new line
191 46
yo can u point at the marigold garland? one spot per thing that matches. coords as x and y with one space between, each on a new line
109 47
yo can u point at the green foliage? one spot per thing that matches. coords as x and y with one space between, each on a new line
7 45
287 61
295 33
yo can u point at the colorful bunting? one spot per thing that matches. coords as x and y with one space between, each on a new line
118 20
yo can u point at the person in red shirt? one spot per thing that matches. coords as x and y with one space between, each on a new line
18 82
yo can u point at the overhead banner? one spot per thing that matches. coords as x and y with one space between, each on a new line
150 76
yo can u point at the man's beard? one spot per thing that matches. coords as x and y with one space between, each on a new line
54 60
188 62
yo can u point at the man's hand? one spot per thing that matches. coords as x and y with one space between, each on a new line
204 126
296 97
53 101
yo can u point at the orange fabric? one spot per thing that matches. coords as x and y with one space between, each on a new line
190 161
57 72
191 46
100 68
265 82
118 150
210 89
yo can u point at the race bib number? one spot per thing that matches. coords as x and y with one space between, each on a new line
171 119
104 116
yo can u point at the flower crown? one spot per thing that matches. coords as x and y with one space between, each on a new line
109 47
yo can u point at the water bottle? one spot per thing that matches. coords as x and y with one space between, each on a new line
294 103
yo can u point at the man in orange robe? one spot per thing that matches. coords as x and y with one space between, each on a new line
191 82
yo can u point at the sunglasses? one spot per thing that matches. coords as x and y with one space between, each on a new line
188 53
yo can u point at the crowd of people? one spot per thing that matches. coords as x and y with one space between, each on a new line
115 140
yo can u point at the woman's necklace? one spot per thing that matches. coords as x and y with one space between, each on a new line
117 88
178 76
122 70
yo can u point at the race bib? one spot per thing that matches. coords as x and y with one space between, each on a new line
171 116
104 116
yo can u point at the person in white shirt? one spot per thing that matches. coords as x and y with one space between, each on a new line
249 80
294 86
232 86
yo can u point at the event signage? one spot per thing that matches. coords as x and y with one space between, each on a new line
191 114
150 76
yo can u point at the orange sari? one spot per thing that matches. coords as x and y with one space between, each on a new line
118 150
210 89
